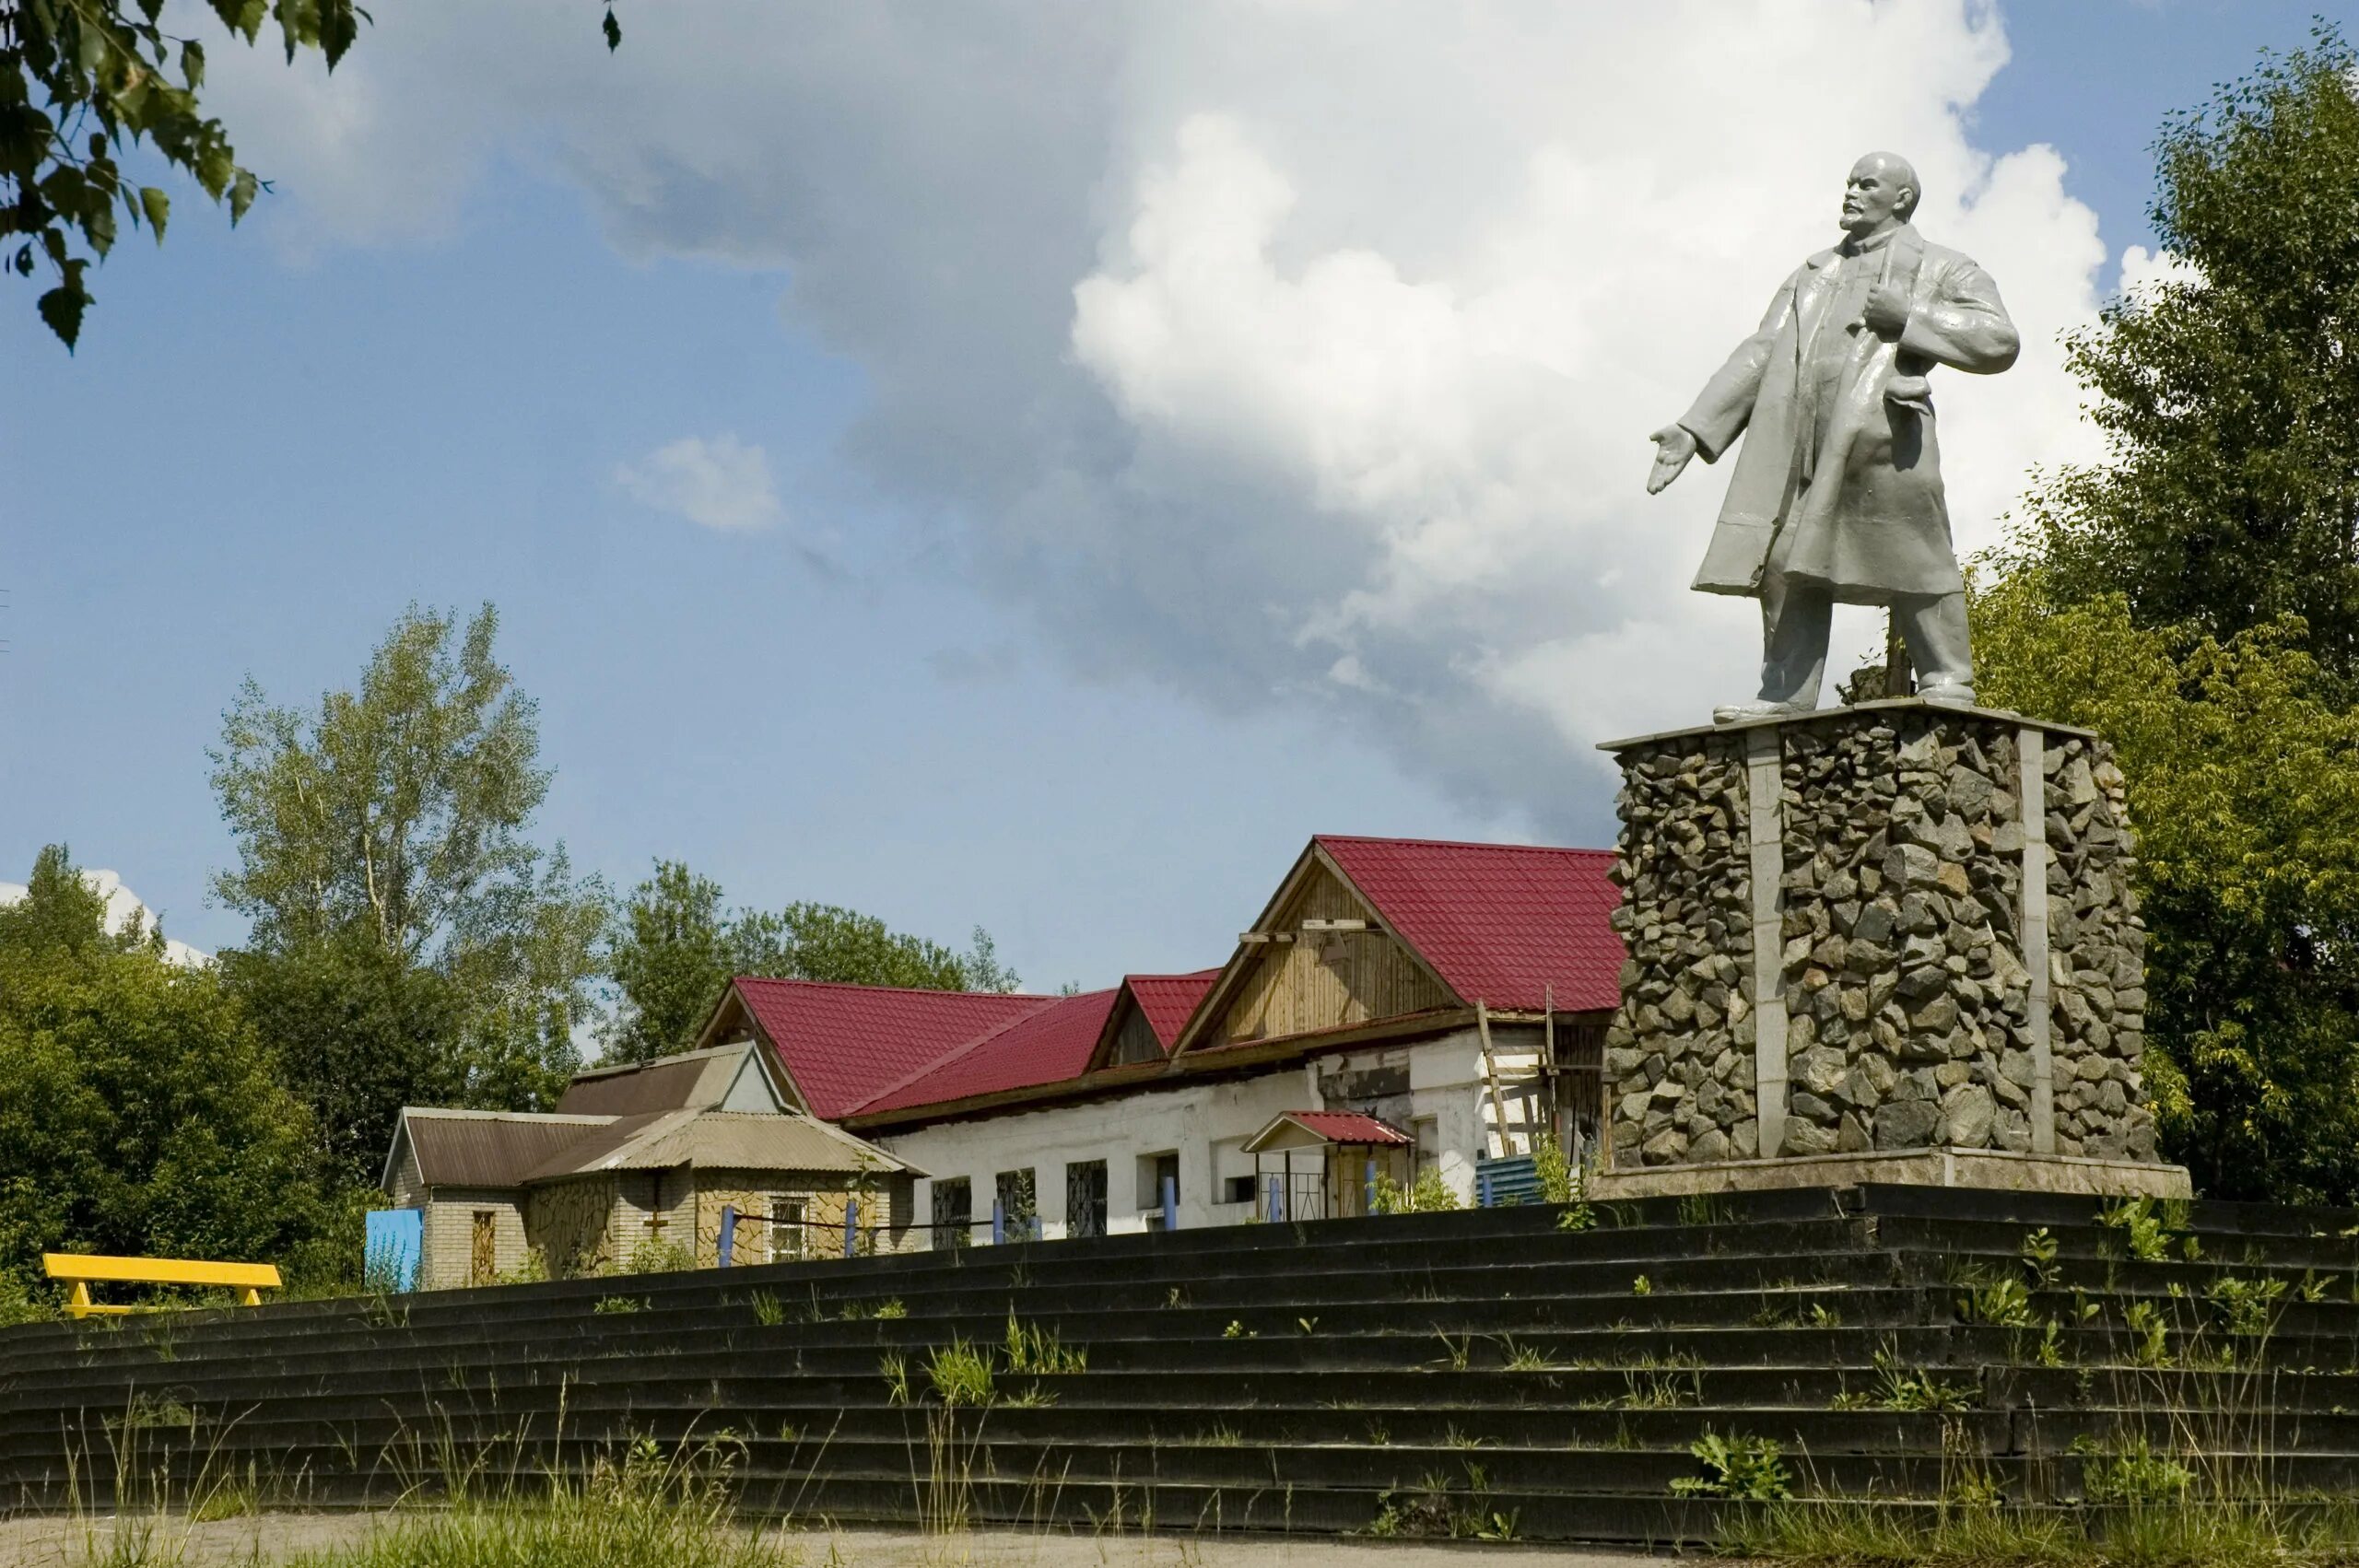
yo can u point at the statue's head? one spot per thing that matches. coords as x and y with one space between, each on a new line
1881 193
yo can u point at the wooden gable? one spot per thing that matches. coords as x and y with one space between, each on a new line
1127 1036
1320 960
732 1020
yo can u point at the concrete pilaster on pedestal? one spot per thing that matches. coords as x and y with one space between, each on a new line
1884 930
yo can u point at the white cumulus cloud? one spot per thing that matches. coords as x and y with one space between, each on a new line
719 484
1286 352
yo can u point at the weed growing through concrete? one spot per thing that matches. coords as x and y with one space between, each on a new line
1524 1358
2147 1225
2003 1302
1033 1349
1752 1470
961 1374
618 1305
768 1310
1663 1390
2038 1254
1898 1388
646 1511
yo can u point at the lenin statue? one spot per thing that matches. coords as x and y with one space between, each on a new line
1838 493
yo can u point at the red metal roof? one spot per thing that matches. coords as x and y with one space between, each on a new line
843 1044
1347 1127
1165 1001
1506 924
1046 1045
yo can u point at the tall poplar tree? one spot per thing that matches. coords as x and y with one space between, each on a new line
410 939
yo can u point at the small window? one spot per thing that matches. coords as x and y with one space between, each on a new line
1086 1198
1236 1189
787 1239
482 1250
1019 1204
954 1214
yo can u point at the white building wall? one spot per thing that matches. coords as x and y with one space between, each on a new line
1205 1124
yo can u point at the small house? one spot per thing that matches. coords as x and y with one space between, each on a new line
636 1167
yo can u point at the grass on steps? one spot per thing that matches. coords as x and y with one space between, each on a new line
645 1510
2176 1534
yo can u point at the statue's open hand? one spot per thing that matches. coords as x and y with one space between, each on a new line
1673 447
1887 309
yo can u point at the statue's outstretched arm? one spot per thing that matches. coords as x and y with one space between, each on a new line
1722 409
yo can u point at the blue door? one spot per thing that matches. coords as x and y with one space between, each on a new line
396 1237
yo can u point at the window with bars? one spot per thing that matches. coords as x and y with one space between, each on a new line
1086 1198
954 1213
1019 1203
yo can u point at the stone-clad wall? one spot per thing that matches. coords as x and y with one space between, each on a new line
1903 963
1679 1056
2100 978
1919 996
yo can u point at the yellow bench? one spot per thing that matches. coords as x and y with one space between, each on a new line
85 1270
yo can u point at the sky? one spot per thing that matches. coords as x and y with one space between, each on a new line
1020 464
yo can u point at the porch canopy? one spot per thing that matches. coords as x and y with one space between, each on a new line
1341 1155
1310 1130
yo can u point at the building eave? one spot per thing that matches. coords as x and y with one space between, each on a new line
1204 1065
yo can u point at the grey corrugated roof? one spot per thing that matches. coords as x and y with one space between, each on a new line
747 1140
699 1078
489 1148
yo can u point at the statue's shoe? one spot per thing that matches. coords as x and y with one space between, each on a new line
1743 712
1948 694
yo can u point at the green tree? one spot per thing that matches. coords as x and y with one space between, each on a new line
826 941
389 831
357 1035
672 953
675 947
83 81
138 1108
2243 776
2230 398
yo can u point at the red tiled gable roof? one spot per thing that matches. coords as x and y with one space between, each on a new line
1046 1045
1165 1001
1504 924
843 1044
1348 1127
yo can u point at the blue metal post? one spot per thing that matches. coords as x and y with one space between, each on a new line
852 1226
1483 1181
1278 1201
999 1223
1370 1208
1171 1203
728 1232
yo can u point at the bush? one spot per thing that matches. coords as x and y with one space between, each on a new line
1429 1194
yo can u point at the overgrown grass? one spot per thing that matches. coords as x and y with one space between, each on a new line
645 1511
1825 1534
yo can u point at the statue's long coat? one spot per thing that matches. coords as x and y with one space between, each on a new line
1846 496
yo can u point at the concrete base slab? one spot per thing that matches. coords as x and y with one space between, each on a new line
1994 1169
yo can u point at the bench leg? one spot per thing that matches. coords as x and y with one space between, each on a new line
252 1297
78 1304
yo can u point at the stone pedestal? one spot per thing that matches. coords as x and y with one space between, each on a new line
1892 928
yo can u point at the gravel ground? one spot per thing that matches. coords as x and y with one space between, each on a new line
265 1538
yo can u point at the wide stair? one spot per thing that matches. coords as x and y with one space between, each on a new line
1487 1375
